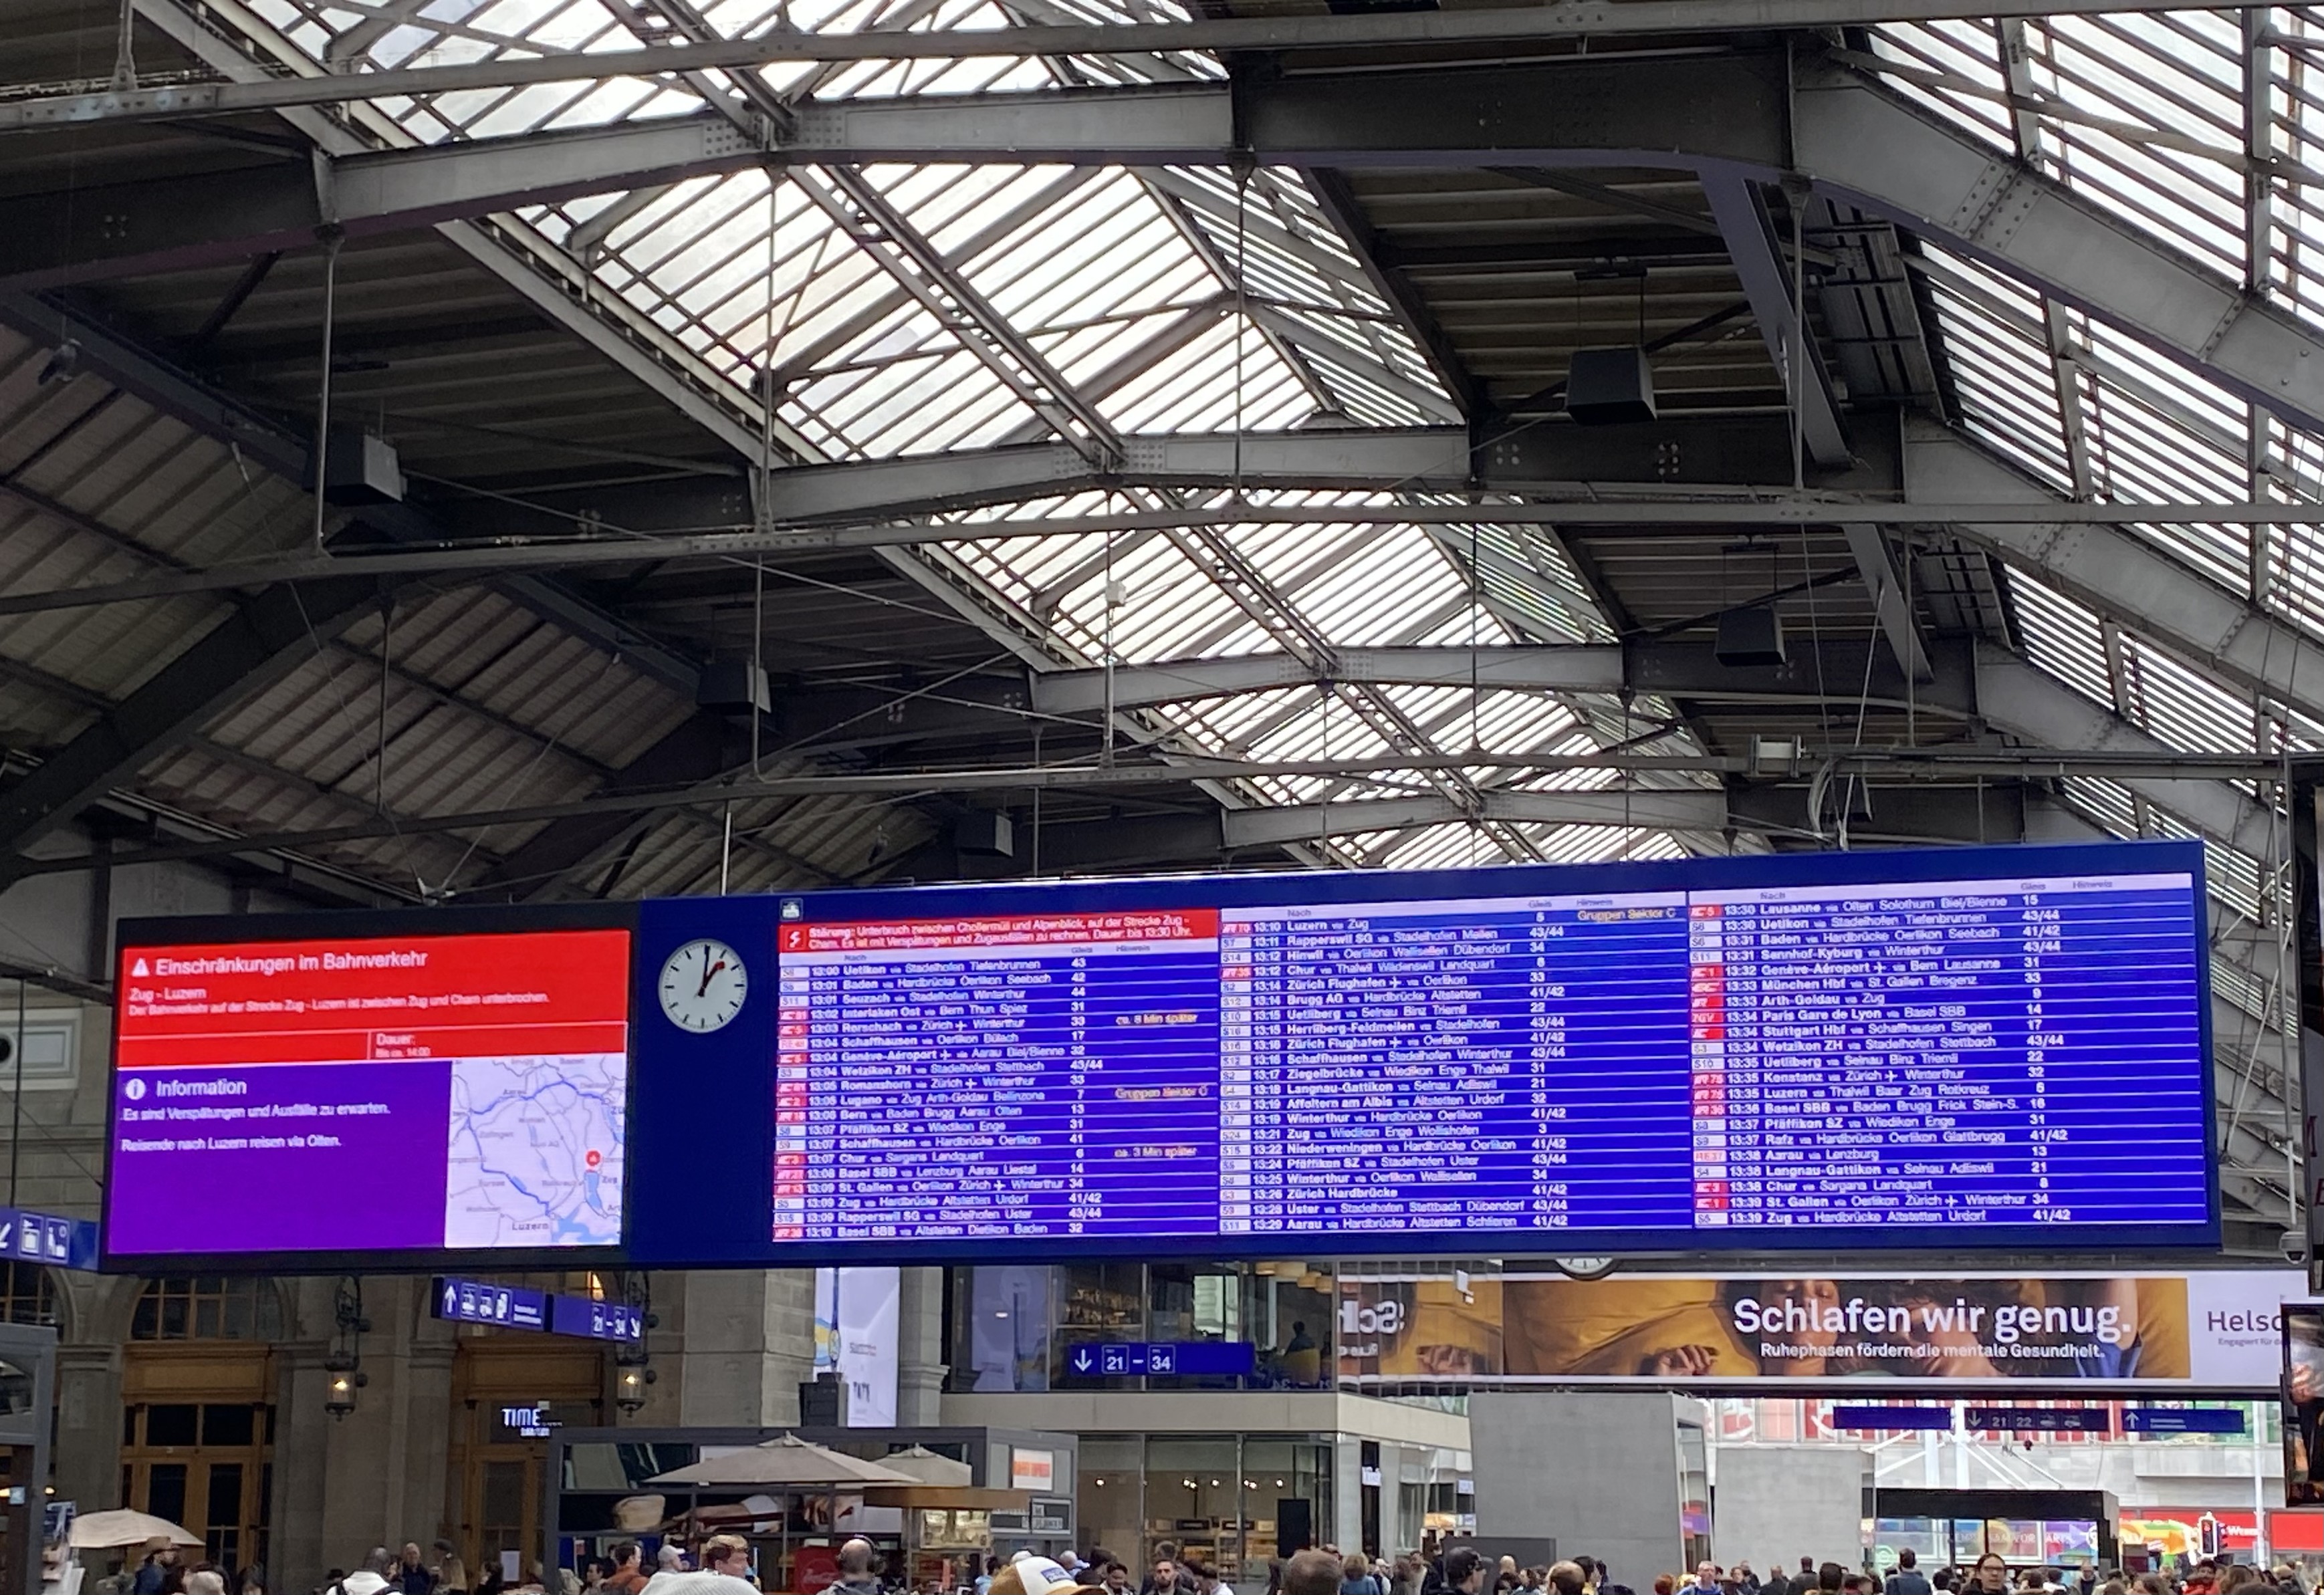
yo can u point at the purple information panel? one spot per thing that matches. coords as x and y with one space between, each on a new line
375 1095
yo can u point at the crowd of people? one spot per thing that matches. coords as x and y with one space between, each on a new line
1464 1570
722 1565
1989 1574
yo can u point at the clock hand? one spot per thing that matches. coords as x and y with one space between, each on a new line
707 973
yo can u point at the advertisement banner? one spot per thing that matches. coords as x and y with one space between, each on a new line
855 1333
2193 1532
2212 1331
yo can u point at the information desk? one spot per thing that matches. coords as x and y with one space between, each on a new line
1786 1060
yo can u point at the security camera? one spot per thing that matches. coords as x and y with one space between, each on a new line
2295 1246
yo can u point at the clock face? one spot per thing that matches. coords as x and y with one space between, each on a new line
1585 1268
702 985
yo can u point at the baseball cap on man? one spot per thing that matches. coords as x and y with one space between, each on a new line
1034 1575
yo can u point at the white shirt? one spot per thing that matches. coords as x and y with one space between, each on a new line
700 1581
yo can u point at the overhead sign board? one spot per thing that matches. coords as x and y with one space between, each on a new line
480 1301
1825 1052
509 1307
2184 1420
47 1238
597 1321
1850 1418
1163 1360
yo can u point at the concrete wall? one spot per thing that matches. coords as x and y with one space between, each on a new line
1775 1504
1597 1472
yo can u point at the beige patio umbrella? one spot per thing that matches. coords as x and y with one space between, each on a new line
928 1467
112 1531
784 1463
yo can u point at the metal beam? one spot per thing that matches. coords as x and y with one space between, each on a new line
1567 19
1659 112
107 354
1651 809
1897 159
2124 576
543 864
2033 704
1395 286
1724 115
1663 667
1641 517
261 640
1767 278
172 223
1731 116
1877 563
1770 284
1676 453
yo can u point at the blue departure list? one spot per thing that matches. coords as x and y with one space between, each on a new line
1746 1064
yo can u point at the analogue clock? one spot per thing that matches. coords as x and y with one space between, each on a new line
1585 1268
702 985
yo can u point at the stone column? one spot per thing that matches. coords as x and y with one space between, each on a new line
87 1462
921 1334
749 1340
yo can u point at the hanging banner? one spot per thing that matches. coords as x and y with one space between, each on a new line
856 1317
2213 1331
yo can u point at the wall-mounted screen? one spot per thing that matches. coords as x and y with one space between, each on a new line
1976 1048
415 1086
1983 1047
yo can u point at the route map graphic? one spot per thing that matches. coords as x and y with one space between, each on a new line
388 1094
536 1151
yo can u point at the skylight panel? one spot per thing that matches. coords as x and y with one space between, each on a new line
1966 49
2063 636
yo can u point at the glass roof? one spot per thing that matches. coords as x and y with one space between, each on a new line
900 310
2200 130
1089 302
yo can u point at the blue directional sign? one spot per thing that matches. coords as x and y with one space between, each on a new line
1892 1418
47 1238
597 1321
479 1301
2182 1420
1164 1359
2043 1420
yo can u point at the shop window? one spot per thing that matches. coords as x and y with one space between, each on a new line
28 1295
204 1464
50 1048
173 1423
1004 1326
229 1425
207 1307
501 1515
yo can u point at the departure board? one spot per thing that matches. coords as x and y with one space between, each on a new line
1996 1048
1845 1049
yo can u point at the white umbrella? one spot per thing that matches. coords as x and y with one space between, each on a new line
108 1531
784 1463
